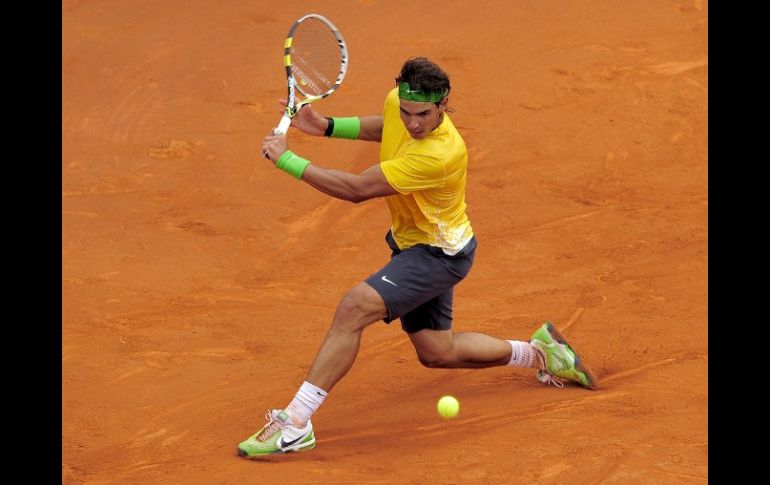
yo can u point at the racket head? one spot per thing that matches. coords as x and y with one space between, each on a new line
315 58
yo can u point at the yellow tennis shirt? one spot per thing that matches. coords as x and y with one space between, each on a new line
430 176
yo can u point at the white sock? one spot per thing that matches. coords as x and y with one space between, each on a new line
307 401
523 354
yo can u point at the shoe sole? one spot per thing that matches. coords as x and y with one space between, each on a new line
593 382
303 448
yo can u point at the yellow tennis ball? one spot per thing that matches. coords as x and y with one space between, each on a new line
448 407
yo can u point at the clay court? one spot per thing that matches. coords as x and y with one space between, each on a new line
198 280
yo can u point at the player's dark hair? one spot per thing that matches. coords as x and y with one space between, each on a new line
424 75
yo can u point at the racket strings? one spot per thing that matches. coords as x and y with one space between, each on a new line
316 58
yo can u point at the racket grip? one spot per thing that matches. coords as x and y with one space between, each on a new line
283 126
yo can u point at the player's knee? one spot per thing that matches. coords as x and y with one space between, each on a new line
352 306
355 311
347 311
434 361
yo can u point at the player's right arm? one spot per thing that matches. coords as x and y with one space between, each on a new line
311 122
371 128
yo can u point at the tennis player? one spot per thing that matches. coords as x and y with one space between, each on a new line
422 176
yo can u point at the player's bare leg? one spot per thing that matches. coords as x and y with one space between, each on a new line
445 349
359 308
290 429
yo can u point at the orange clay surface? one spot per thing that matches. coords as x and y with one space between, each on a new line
198 280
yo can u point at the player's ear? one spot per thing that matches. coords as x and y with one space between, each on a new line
443 103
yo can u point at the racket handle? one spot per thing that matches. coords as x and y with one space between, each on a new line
283 126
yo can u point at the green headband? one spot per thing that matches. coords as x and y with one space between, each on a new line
406 92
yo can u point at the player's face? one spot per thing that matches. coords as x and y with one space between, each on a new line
420 118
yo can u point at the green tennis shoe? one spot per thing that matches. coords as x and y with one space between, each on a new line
279 435
561 360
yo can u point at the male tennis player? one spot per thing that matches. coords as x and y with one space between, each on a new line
422 176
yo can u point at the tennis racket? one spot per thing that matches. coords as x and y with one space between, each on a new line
316 59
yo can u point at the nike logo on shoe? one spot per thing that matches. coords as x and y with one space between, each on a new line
286 444
386 280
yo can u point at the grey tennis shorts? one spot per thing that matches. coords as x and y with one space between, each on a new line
417 284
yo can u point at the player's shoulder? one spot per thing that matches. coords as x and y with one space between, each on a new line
391 99
391 103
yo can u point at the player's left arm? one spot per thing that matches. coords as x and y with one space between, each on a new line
366 185
369 184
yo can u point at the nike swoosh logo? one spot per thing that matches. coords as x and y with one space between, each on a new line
285 444
386 280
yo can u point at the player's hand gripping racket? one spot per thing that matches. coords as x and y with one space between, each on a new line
316 60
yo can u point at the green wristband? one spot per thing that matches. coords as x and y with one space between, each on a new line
292 164
347 127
